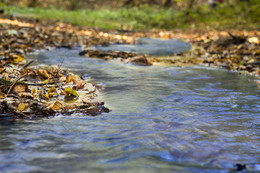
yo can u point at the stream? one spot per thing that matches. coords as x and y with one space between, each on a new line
163 118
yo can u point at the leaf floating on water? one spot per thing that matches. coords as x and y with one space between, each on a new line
23 106
70 91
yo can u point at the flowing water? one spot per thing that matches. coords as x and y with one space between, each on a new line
169 119
151 46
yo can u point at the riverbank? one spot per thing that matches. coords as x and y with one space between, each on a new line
22 87
44 91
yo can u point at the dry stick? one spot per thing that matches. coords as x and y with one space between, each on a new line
26 65
15 83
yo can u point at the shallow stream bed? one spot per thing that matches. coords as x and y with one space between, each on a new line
169 119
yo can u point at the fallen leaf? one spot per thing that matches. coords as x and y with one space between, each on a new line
23 106
26 95
70 78
44 73
18 88
253 40
51 90
79 84
70 91
56 106
18 58
33 91
46 96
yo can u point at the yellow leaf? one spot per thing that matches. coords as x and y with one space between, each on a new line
39 92
46 96
33 91
71 92
23 106
46 81
18 58
51 89
52 94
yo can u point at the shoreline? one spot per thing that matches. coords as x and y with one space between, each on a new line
232 50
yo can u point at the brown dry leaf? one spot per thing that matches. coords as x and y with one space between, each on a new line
26 95
23 106
1 70
56 106
18 88
79 84
44 73
70 78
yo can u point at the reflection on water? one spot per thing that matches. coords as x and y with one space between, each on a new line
163 119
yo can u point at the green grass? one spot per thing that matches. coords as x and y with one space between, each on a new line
241 16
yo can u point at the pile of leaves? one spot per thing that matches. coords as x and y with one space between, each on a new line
32 93
44 92
240 52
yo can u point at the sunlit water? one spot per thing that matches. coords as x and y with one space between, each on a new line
169 119
151 46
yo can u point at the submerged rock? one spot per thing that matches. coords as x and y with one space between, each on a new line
140 60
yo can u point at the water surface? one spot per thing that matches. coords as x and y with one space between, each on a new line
150 46
169 119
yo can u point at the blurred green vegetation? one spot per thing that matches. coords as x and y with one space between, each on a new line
242 15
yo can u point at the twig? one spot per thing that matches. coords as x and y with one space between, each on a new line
26 65
59 66
15 83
